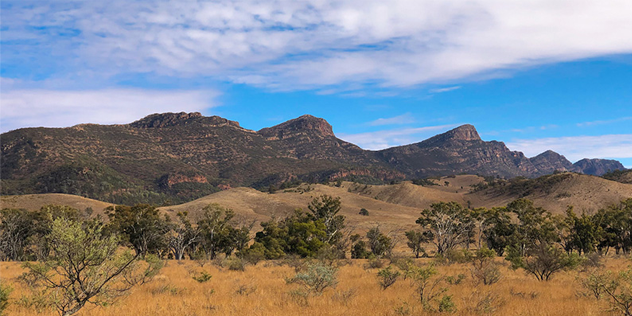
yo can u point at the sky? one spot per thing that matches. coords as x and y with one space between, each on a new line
537 75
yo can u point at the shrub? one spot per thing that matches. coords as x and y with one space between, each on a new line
484 269
203 277
359 250
387 277
316 279
446 305
543 261
364 212
616 288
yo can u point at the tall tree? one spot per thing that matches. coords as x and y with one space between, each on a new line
141 226
447 224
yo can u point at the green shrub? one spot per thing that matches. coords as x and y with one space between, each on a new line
203 277
387 277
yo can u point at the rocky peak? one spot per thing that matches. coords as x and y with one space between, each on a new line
462 133
550 161
159 120
306 123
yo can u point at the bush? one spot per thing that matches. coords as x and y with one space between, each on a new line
364 212
316 279
458 256
616 288
203 277
387 277
446 305
484 269
543 261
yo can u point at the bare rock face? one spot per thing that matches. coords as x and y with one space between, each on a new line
305 124
550 161
597 167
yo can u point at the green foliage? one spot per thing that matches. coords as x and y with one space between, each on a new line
415 241
358 251
379 243
364 212
543 260
446 305
216 232
387 277
141 226
429 287
303 234
203 277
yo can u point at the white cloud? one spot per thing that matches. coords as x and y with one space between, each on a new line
54 108
578 147
406 118
447 89
287 44
395 137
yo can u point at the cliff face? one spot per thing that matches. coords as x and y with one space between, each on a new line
182 156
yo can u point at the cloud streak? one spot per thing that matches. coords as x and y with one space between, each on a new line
406 118
54 108
313 44
578 147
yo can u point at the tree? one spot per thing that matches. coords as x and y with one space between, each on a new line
141 226
499 230
15 229
182 235
85 267
364 212
214 227
415 241
379 243
325 208
542 261
447 223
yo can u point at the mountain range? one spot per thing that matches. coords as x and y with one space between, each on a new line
177 157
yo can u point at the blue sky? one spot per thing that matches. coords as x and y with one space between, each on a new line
537 75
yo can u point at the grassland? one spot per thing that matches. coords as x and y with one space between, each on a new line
262 290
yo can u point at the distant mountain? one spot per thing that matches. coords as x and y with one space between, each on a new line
597 166
550 161
177 157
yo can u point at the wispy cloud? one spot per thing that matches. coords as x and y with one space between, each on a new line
578 147
531 129
394 137
288 44
406 118
593 123
441 90
54 108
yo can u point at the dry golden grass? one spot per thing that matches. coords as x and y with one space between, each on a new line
265 292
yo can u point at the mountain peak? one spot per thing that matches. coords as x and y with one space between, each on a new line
159 120
304 123
463 132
